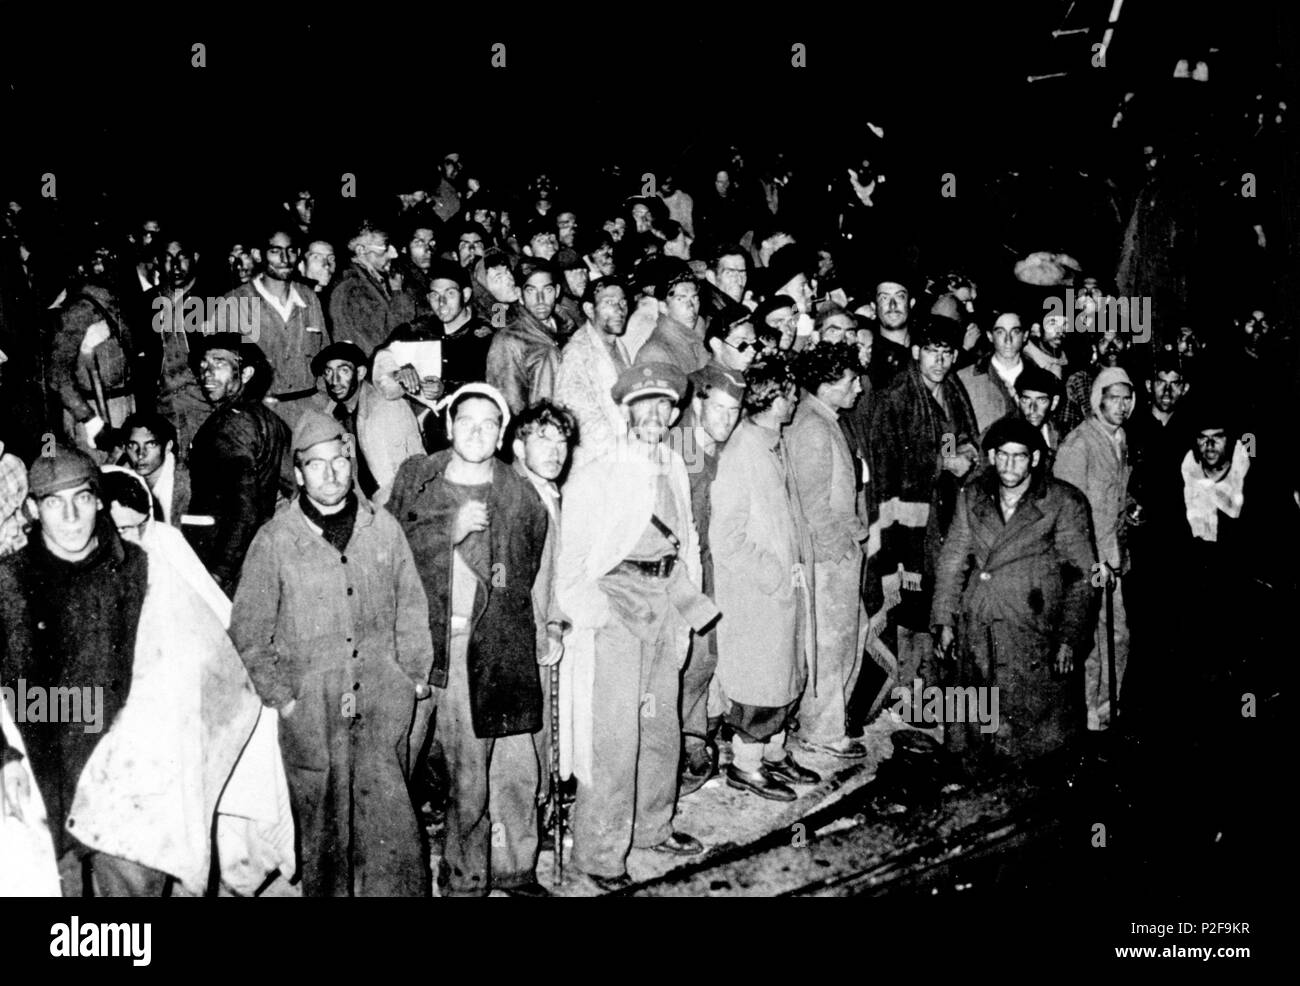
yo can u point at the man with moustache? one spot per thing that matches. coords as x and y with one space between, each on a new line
1012 595
628 580
1038 393
331 621
894 303
238 459
590 366
288 325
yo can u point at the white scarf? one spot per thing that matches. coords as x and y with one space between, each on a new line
1205 497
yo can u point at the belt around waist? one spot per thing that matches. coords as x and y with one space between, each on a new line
295 395
660 568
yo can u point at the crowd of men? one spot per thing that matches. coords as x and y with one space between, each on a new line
590 495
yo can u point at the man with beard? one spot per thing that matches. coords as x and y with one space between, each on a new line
714 413
364 306
628 580
1012 593
1094 458
825 474
237 462
991 382
287 324
922 453
412 266
676 338
477 530
893 341
1046 348
332 623
590 366
525 356
176 310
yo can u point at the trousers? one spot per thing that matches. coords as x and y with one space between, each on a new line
1097 667
838 604
491 829
636 736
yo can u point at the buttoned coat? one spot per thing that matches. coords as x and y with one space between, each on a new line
346 637
1015 591
757 534
826 473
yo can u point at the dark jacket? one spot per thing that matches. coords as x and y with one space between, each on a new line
504 686
70 625
1015 592
364 309
238 463
914 493
118 361
524 358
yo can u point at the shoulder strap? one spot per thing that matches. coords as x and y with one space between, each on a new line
666 531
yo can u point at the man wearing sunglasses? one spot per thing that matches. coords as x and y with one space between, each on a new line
731 339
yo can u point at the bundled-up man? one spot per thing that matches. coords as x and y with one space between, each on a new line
332 622
628 581
991 382
524 357
676 338
714 412
364 306
762 553
1013 592
1094 458
589 367
922 451
478 530
826 474
285 320
1038 393
151 453
238 459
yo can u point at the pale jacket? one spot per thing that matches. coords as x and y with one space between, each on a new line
607 507
27 866
587 375
826 473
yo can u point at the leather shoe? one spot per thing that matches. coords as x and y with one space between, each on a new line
761 783
845 748
680 844
530 889
791 772
611 884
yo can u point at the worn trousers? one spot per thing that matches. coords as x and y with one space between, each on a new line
491 832
696 681
100 875
838 605
1097 667
636 739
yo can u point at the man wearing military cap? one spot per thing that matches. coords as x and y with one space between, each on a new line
628 579
238 462
1012 596
332 621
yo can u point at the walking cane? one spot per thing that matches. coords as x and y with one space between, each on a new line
557 812
1110 649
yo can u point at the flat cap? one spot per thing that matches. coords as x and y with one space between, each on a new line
715 377
1034 378
647 379
313 428
66 468
1015 429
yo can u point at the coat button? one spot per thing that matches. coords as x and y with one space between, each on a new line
356 687
356 653
985 576
349 590
344 559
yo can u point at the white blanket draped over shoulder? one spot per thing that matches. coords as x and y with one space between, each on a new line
150 790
